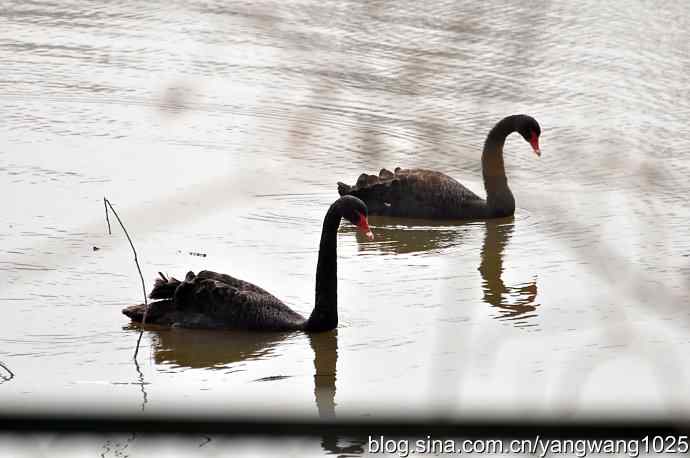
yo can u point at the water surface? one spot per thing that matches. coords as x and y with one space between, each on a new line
221 128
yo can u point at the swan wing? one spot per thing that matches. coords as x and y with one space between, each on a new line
211 302
414 193
233 282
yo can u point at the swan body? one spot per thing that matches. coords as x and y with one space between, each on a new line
419 193
218 301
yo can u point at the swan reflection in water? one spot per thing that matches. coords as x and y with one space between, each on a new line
514 303
202 348
410 236
416 236
325 346
216 349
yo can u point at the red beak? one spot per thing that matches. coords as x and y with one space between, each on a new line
363 226
534 141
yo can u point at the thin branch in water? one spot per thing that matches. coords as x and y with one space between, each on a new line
141 384
107 204
107 219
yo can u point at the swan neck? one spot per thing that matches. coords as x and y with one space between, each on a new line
498 195
324 317
491 266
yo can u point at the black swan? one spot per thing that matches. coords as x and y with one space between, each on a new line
417 193
214 300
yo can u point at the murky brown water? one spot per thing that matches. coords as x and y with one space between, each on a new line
221 128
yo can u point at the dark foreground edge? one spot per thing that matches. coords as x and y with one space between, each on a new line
353 427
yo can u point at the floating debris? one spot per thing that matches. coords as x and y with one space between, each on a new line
272 378
193 253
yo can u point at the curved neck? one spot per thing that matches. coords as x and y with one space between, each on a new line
324 317
499 199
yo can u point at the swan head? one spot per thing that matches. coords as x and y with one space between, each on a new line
529 128
356 212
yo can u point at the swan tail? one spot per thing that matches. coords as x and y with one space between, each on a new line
164 288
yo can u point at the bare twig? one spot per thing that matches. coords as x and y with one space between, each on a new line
141 383
107 204
107 219
6 379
